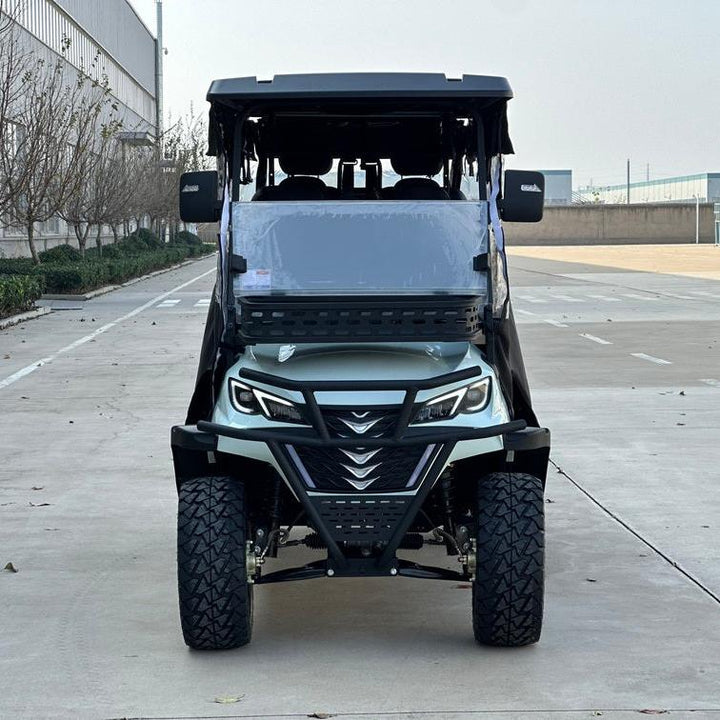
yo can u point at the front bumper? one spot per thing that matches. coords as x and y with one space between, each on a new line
381 517
203 437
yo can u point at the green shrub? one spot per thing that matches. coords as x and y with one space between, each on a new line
60 254
16 266
73 278
64 272
185 237
140 240
18 293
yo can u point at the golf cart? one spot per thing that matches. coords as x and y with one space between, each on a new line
361 390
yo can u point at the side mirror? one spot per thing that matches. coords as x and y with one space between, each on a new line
523 196
199 201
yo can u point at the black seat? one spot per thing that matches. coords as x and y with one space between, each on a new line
425 163
302 182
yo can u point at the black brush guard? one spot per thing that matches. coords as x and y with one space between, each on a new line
204 437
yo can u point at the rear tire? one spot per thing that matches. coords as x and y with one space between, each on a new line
507 593
216 602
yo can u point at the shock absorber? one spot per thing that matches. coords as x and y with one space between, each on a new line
447 492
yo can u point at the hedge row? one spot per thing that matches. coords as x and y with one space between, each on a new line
89 274
18 293
64 270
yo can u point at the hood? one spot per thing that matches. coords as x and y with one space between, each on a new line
378 361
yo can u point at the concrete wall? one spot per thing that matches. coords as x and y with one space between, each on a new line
614 225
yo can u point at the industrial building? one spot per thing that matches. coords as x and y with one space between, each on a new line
127 53
703 188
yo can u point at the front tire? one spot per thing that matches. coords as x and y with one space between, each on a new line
507 593
216 602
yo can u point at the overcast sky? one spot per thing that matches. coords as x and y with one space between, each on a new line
595 81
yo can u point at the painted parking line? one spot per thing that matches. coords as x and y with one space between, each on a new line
651 358
595 339
604 298
556 323
530 298
205 302
635 296
169 303
712 382
23 372
566 298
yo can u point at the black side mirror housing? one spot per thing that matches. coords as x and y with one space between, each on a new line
523 196
199 197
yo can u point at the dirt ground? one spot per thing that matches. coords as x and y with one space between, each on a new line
700 261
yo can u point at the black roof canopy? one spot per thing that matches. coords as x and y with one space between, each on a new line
351 95
249 91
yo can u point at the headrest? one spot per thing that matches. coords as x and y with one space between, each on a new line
299 163
422 162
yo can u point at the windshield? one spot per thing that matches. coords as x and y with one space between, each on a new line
368 248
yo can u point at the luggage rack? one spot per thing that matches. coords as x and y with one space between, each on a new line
432 318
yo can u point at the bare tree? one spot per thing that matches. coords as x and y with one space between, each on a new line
102 192
15 60
156 171
58 113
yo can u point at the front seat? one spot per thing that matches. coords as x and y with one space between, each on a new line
302 181
425 163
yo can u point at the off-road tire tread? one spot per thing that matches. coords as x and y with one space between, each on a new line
507 594
215 597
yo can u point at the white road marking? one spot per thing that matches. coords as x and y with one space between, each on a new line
530 298
638 297
711 381
715 296
566 298
605 298
651 358
169 303
595 339
23 372
555 323
525 312
205 302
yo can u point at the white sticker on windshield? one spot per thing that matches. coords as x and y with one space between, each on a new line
257 280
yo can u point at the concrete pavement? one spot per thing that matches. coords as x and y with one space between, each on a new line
89 625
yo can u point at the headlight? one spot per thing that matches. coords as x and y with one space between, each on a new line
251 401
477 397
470 399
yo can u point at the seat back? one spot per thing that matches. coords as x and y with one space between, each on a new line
423 162
303 181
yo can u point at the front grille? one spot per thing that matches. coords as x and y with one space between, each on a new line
372 518
360 468
381 422
392 468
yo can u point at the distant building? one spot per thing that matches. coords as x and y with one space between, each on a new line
558 187
681 189
126 49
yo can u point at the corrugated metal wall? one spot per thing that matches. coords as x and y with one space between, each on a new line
114 24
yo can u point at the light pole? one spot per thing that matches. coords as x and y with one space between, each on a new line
697 219
159 70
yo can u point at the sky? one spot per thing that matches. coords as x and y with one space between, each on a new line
596 82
